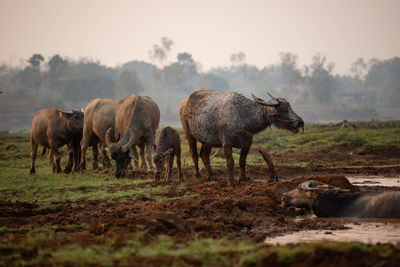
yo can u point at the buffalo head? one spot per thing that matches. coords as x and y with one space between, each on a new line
307 193
159 161
122 152
279 112
73 119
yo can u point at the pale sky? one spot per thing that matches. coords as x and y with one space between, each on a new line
115 32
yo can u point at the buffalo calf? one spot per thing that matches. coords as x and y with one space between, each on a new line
168 145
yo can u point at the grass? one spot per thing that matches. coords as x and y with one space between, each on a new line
48 189
66 250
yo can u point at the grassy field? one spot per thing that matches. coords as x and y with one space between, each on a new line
50 240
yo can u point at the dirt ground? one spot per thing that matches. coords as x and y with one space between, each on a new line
251 210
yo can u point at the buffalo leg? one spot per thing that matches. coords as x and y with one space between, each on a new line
68 167
34 147
169 160
105 159
87 135
205 152
95 151
242 162
143 164
77 153
195 156
136 157
57 158
50 157
229 163
178 164
149 147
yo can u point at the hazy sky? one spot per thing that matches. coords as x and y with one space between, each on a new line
115 32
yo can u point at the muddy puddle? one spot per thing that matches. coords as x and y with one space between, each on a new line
374 180
366 231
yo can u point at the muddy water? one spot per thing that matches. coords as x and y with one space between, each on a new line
371 180
365 231
370 231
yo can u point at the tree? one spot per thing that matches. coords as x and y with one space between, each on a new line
238 58
320 81
161 52
128 83
291 75
35 60
57 63
383 81
358 68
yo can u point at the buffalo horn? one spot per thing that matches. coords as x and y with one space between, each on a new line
108 140
271 96
130 142
263 102
307 185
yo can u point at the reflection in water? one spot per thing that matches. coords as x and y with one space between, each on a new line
361 230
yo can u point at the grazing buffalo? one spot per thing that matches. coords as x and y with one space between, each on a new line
136 122
230 120
99 117
53 128
329 201
168 145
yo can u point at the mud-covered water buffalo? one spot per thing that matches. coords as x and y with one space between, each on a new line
329 201
136 122
230 120
99 117
168 145
53 128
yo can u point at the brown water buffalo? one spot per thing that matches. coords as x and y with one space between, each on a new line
136 122
53 128
168 145
230 120
99 117
329 201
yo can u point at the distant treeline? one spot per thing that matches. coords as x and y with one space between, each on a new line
371 90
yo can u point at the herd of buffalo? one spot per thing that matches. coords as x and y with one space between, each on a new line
215 119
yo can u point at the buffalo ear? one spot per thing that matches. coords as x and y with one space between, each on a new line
64 114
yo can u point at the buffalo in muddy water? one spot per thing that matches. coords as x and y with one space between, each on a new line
53 128
136 122
230 120
329 201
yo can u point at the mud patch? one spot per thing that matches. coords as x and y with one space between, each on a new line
383 231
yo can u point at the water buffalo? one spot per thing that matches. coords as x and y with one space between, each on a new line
329 201
99 117
230 120
168 145
53 128
136 122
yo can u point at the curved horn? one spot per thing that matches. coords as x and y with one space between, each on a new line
310 185
264 103
108 140
271 96
130 142
131 139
